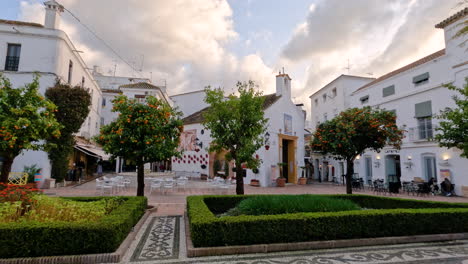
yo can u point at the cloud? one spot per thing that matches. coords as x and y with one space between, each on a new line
376 37
181 41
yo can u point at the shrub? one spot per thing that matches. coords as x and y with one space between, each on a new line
34 238
392 217
283 204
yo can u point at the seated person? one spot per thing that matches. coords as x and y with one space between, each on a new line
447 187
433 186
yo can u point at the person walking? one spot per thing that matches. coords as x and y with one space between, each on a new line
99 168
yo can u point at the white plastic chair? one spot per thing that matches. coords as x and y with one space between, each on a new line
181 182
107 186
168 185
155 185
99 184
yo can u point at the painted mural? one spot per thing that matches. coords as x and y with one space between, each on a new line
187 140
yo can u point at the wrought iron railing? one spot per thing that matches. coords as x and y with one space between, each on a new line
11 63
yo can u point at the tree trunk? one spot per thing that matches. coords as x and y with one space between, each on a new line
349 176
140 178
6 168
239 179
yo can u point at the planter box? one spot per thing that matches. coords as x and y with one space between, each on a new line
280 182
302 181
255 183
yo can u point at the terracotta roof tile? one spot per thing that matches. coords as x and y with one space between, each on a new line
451 19
140 85
197 117
405 68
20 23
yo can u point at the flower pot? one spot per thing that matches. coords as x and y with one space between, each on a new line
255 183
302 181
203 177
280 182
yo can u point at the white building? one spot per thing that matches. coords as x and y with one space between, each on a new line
416 93
30 48
286 140
326 104
190 102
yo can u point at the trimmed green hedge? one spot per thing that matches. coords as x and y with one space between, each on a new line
34 239
391 217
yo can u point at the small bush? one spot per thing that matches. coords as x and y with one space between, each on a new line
35 238
391 217
286 204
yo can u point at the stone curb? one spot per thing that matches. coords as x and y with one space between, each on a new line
266 248
114 257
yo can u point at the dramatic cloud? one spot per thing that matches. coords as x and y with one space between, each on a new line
376 37
180 41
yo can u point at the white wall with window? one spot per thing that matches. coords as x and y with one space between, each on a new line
417 95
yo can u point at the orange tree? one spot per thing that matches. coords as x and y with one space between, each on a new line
352 132
26 120
143 132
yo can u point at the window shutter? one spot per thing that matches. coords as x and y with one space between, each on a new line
421 77
423 109
364 99
388 91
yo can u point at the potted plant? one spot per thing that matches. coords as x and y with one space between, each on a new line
302 179
255 182
281 181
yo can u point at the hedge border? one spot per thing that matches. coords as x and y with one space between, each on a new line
29 239
393 217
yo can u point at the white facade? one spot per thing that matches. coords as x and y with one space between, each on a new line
416 94
331 99
49 52
286 121
189 103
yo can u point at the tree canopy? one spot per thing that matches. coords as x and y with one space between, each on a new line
143 132
454 127
237 124
353 131
73 106
26 120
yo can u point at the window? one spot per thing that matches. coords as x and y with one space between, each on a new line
324 97
103 102
364 99
70 71
316 102
12 57
425 127
421 79
423 113
334 92
387 91
140 98
102 121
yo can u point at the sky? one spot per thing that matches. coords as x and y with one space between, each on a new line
192 44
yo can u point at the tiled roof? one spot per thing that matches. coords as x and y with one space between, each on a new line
20 23
405 68
451 19
140 85
197 117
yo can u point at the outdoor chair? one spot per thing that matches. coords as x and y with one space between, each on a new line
155 185
99 184
107 186
168 184
118 184
181 182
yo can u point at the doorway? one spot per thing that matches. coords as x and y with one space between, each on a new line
429 167
287 153
368 161
392 168
325 171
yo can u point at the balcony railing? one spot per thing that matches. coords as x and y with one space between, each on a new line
11 63
422 133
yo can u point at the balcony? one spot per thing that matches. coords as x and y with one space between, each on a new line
11 63
422 133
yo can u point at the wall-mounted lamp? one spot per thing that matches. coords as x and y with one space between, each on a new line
267 141
445 159
409 163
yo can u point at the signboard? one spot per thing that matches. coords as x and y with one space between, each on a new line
287 124
392 151
444 173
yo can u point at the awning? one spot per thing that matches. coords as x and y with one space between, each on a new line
92 150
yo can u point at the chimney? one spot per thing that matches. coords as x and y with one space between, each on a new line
283 85
52 16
